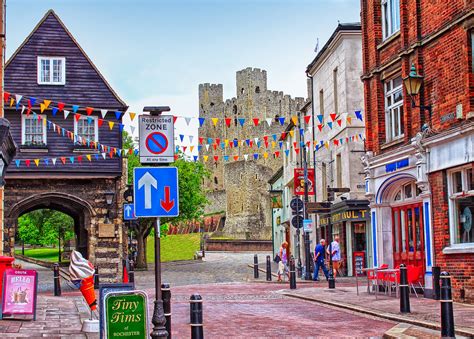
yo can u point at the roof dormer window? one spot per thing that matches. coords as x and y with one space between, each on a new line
51 70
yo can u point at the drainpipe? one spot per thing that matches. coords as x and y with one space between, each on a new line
313 144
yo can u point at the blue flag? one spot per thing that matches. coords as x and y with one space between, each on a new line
358 115
201 121
282 120
75 108
118 114
320 118
242 122
55 110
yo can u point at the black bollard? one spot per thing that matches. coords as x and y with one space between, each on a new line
404 290
447 316
255 266
292 274
57 282
131 272
269 269
96 278
436 276
166 296
197 331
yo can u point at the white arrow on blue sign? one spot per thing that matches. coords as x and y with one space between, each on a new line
155 191
129 212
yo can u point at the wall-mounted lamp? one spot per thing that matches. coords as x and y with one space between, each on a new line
109 198
413 84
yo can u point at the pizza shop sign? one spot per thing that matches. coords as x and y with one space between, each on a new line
355 215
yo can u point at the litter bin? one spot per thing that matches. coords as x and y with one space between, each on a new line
5 262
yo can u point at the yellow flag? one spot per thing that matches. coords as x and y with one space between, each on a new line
132 115
11 102
292 133
273 144
44 122
226 142
111 124
294 118
265 155
37 162
88 156
191 148
205 157
214 121
46 103
42 107
326 144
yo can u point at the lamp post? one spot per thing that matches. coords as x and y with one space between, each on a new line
413 84
109 198
158 319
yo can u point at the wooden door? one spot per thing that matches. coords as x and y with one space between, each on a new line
408 236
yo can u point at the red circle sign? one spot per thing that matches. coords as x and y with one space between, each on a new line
156 143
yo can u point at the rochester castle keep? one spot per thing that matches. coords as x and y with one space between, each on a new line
238 189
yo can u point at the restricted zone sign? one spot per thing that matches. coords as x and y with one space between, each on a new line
156 139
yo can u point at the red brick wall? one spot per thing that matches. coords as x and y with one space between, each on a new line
445 62
460 266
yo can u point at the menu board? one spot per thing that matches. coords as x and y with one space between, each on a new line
19 292
359 263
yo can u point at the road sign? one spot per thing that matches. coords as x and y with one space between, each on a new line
318 207
308 225
129 212
296 204
297 221
156 139
339 189
126 315
155 191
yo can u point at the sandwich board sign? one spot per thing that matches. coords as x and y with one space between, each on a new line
126 315
156 135
19 292
104 289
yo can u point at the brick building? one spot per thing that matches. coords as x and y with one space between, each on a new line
419 159
65 171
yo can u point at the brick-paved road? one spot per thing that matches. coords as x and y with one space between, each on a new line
250 310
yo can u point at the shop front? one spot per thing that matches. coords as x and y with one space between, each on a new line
348 220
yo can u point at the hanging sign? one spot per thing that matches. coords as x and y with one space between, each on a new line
19 292
126 315
299 181
156 139
308 225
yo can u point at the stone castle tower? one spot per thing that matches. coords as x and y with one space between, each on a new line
240 188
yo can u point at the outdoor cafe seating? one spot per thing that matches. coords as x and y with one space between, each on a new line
388 280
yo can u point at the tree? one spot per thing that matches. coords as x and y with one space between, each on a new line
192 198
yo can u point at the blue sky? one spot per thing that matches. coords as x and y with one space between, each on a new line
156 52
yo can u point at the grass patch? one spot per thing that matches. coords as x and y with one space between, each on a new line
174 247
45 254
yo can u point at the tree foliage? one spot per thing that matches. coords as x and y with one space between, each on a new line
41 227
192 198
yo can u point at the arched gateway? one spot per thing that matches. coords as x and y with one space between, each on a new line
67 124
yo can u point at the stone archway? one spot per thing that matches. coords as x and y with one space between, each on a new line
80 210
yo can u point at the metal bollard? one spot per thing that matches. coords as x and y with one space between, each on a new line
166 296
196 317
131 273
96 278
292 274
436 277
269 269
124 271
57 282
255 266
404 290
447 316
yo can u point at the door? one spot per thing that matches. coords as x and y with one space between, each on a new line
408 236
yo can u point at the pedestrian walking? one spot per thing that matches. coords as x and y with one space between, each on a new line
283 264
336 255
319 256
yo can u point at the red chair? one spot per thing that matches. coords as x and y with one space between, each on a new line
373 275
414 276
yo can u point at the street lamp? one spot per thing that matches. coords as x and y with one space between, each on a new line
109 198
413 84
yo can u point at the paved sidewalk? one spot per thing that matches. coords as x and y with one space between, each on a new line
424 312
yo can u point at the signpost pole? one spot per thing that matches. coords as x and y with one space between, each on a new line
307 253
158 320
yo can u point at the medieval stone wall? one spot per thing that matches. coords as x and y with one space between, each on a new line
242 180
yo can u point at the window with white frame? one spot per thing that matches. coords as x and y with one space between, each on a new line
33 132
86 128
394 109
390 17
461 204
51 70
407 192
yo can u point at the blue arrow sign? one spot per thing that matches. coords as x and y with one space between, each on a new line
129 212
155 191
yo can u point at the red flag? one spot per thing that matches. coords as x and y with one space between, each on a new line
184 148
216 157
29 104
174 119
297 150
215 146
218 141
89 110
333 116
228 121
277 154
176 157
27 162
236 157
77 116
250 143
61 106
339 122
283 135
79 158
255 121
100 122
6 95
306 119
201 140
63 160
294 144
265 138
266 144
336 142
320 127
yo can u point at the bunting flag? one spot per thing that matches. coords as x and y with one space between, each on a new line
201 121
306 119
333 116
61 105
358 115
54 111
111 125
89 110
75 108
241 122
269 121
214 121
132 116
103 113
339 122
255 121
329 124
227 121
118 115
6 95
18 100
294 119
349 120
66 113
320 118
281 120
